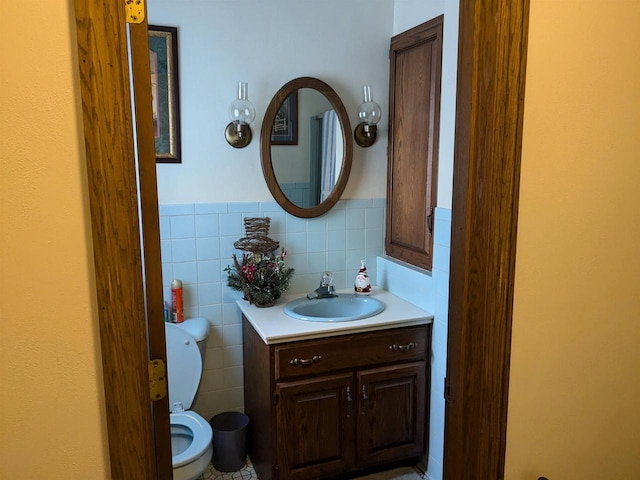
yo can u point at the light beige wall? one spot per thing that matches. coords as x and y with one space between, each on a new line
575 384
52 422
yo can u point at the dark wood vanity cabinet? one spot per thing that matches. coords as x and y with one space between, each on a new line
321 408
315 435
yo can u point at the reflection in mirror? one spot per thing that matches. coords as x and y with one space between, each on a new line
308 183
308 175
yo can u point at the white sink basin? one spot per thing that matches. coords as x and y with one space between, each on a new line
341 308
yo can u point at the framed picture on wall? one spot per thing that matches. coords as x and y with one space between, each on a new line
285 126
163 56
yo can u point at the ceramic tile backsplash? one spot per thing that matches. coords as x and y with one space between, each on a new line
197 244
298 193
428 290
441 259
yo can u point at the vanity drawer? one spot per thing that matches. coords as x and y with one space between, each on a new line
312 357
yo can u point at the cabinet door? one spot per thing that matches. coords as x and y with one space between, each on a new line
414 118
391 418
315 427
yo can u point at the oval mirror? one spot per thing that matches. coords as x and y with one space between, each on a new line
306 147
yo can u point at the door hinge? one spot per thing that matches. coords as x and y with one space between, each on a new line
157 380
447 390
275 398
134 10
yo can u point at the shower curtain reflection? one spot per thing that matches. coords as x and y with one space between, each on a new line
326 153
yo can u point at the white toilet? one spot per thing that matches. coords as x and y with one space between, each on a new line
191 434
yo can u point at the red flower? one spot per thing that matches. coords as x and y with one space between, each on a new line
249 271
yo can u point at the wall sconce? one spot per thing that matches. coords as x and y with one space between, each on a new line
242 113
369 113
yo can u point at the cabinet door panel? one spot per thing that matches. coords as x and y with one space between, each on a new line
315 421
414 124
392 408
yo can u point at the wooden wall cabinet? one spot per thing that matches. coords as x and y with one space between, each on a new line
414 123
322 408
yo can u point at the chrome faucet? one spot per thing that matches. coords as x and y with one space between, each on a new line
326 288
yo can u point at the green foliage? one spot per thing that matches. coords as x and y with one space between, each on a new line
262 277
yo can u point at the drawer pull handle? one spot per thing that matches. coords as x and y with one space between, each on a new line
305 361
395 347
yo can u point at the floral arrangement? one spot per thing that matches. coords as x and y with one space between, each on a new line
262 277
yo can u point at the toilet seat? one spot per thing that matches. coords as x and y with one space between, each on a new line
202 435
191 435
184 367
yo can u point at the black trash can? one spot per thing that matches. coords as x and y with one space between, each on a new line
229 441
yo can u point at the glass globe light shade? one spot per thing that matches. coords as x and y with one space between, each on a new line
241 110
369 111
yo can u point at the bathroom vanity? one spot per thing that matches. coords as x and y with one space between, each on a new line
329 398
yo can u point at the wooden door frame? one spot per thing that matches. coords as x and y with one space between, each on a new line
138 429
491 71
492 52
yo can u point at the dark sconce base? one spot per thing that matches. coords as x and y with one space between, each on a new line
365 135
238 135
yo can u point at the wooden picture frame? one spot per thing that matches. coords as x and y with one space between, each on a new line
165 90
285 125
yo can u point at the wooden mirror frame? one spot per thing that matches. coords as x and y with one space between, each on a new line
265 146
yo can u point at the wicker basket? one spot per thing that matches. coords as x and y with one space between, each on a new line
259 249
256 240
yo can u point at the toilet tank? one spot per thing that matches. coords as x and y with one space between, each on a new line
199 328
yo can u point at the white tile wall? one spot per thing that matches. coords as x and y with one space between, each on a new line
197 244
428 290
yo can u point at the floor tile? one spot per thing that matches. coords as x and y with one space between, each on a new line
247 473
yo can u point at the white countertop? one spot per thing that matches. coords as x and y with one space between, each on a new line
274 326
